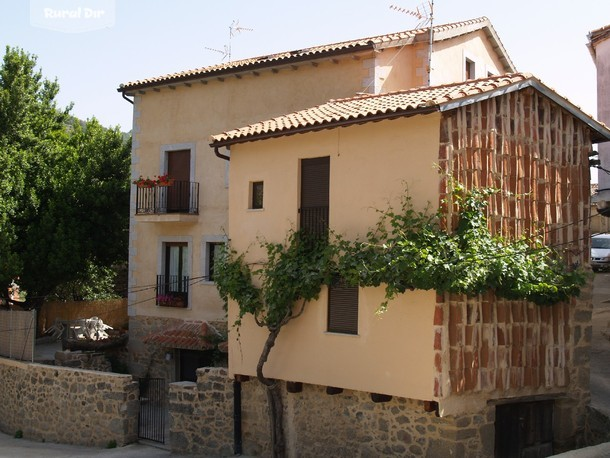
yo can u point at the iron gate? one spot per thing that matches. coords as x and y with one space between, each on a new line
151 421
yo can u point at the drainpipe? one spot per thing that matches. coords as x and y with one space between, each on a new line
237 445
125 97
220 155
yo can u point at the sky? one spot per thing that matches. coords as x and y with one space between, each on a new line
137 39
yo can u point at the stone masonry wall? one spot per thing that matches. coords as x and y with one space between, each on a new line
318 424
65 405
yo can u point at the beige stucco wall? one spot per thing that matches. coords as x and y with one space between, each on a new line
370 166
602 63
449 57
187 116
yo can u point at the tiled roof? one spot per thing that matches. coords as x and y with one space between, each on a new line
370 107
441 32
190 335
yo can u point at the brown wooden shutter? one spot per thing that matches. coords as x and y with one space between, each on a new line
315 184
342 308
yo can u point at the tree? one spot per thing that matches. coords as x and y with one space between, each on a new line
292 275
65 186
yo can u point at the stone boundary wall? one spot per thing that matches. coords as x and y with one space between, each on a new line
318 424
69 406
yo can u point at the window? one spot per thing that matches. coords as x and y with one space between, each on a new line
173 283
342 307
256 195
315 188
210 249
470 72
213 250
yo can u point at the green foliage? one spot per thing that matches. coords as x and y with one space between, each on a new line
64 185
294 270
18 434
111 444
410 249
95 283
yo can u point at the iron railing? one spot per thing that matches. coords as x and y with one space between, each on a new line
314 220
172 291
151 421
177 197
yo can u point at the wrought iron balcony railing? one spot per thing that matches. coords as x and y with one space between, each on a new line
177 197
314 220
172 291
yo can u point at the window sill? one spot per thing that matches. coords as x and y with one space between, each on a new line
334 333
255 210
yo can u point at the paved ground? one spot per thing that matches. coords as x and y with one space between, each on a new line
22 448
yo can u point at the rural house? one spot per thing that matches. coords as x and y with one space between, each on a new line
179 206
435 375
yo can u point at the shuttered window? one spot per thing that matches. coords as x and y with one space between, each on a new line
342 308
315 184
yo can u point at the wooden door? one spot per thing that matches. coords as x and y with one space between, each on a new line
315 184
179 168
524 430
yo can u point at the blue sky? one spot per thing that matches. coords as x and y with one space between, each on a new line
153 37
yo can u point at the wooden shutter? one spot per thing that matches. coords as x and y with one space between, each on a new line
342 308
315 184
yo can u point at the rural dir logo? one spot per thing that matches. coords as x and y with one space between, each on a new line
72 16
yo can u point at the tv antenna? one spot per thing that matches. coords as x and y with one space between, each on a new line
425 14
234 29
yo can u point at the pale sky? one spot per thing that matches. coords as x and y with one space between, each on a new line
147 38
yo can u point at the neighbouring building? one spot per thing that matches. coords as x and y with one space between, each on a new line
436 375
178 223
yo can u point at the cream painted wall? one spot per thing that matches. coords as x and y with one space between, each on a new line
370 166
449 56
189 115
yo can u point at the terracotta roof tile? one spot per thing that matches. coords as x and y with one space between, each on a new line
370 105
190 335
442 32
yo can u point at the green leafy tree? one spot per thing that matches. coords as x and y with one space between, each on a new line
65 186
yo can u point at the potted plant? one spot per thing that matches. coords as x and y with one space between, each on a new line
165 300
142 182
164 180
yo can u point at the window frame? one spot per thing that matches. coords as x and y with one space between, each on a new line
207 243
252 203
165 241
346 325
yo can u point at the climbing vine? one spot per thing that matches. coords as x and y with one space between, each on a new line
410 249
407 249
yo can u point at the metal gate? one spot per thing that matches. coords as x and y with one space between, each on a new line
151 421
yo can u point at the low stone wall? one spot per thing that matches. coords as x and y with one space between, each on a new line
318 424
66 405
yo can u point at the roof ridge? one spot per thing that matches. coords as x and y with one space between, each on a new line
345 44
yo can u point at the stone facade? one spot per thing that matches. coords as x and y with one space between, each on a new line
318 424
88 360
66 405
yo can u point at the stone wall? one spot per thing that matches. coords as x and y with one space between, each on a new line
65 405
318 424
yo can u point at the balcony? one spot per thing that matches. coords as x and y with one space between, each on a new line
178 201
172 291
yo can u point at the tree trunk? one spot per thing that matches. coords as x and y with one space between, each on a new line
274 399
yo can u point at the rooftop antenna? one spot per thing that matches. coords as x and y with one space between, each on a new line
234 29
425 14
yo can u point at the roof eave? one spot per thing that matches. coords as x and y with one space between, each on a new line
599 132
270 64
325 125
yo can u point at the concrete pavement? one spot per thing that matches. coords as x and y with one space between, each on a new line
23 448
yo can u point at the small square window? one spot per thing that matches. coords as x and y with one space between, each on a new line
256 200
